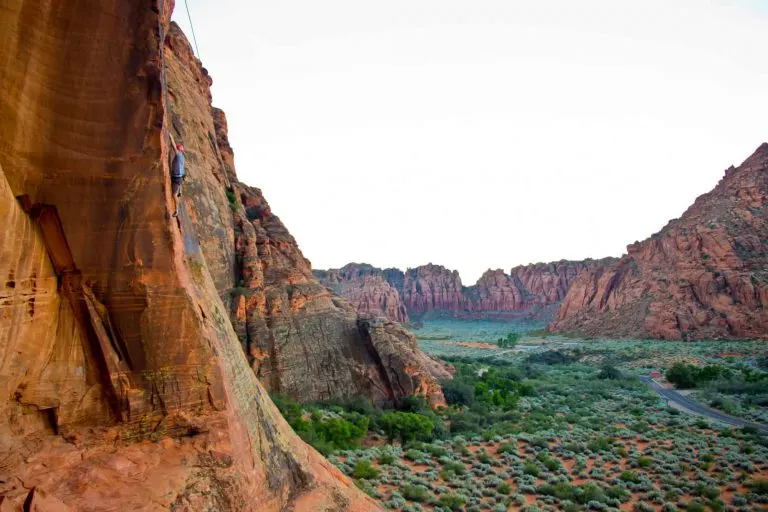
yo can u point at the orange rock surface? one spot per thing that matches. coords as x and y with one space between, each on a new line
299 339
366 288
124 383
704 276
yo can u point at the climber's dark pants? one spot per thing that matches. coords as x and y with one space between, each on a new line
176 186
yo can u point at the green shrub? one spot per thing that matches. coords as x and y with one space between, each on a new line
560 490
707 491
415 493
452 502
456 467
406 426
504 488
386 458
484 457
629 476
363 469
600 444
506 448
617 492
608 372
531 469
644 462
759 486
415 455
436 451
509 341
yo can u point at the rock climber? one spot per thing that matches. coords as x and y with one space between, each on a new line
177 175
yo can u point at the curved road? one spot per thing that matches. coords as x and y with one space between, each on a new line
696 408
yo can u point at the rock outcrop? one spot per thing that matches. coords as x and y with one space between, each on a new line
430 288
704 276
124 383
532 291
300 339
366 288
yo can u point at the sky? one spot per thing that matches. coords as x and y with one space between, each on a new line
486 133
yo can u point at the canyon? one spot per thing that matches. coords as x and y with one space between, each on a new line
527 292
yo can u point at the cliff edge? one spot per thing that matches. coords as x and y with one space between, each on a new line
124 384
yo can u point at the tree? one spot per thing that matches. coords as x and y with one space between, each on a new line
509 341
682 375
609 372
406 426
457 392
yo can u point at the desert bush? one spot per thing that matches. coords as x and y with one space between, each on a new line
532 469
453 502
415 493
363 469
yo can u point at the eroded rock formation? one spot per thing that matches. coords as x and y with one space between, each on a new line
299 338
124 384
366 288
705 275
528 290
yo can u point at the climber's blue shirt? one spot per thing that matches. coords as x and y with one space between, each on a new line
177 167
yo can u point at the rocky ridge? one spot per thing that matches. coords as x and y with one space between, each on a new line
703 276
527 291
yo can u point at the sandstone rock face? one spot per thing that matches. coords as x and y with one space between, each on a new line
431 288
533 288
299 339
529 290
124 384
704 276
366 288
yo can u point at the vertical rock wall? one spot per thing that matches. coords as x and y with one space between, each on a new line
125 386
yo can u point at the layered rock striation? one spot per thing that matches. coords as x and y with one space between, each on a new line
299 338
528 290
125 384
703 276
366 288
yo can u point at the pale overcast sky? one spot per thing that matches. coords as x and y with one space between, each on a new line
483 133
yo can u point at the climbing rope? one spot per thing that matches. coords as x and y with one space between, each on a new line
192 27
163 74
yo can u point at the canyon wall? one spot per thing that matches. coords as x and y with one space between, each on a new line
367 289
528 291
703 276
125 385
299 338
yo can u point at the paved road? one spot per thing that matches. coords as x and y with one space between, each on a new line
699 409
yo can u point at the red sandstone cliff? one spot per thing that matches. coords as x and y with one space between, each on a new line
705 275
125 385
366 288
532 290
299 339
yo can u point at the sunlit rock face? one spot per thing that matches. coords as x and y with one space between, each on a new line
704 276
124 383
